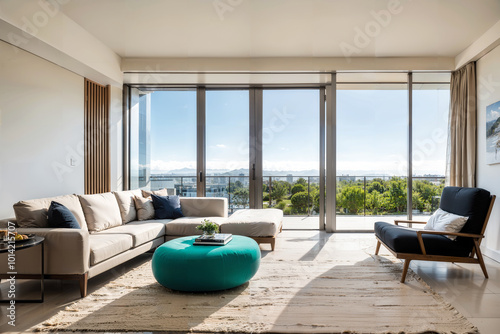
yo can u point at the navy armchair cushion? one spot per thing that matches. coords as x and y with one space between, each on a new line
404 240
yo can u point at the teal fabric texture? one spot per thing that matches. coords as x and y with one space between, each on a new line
180 265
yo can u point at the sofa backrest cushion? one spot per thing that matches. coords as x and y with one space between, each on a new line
126 204
101 211
468 202
33 213
161 192
144 207
148 193
204 206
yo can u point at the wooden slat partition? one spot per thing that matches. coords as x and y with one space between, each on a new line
97 168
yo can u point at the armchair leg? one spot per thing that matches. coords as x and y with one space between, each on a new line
405 270
378 247
480 258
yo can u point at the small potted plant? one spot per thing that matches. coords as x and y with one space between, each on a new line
209 228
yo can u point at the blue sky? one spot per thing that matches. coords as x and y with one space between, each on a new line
371 135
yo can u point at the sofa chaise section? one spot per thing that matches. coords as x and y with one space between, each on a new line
263 225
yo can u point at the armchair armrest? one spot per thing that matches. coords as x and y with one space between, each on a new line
67 252
408 222
458 234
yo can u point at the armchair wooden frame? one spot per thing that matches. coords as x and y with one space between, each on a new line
474 257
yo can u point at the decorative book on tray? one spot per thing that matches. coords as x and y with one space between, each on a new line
219 239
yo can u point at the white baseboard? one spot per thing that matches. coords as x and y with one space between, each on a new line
491 253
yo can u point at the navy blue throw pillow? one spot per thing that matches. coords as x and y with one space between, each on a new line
60 216
167 207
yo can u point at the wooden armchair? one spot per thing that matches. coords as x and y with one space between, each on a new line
409 244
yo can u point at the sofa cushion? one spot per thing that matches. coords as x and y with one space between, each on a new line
187 225
140 231
126 204
33 213
254 222
148 193
204 206
105 246
145 208
167 207
101 211
59 216
404 240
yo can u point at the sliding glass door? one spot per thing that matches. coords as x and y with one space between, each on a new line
431 103
227 148
290 152
372 151
163 140
140 135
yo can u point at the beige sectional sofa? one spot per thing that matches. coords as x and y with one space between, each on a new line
111 233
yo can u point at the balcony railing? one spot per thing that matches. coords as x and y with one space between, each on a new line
299 195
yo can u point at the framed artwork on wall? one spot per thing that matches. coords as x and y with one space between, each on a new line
493 133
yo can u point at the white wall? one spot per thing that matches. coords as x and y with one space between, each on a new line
488 176
41 27
41 129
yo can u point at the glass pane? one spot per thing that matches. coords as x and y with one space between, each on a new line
372 132
431 77
227 142
173 141
388 77
140 149
291 155
430 133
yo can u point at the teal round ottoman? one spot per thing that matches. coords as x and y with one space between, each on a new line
179 265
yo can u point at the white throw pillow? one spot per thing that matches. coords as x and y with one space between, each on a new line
445 222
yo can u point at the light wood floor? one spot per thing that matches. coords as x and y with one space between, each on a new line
462 285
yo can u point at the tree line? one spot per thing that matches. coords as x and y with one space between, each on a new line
375 197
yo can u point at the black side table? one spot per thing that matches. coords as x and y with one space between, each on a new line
19 246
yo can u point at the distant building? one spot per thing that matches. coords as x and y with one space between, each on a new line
347 178
289 178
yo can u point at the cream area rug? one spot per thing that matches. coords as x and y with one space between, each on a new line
318 296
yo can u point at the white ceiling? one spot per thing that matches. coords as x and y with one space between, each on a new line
283 28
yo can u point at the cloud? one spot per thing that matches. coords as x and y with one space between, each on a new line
285 165
165 166
220 146
493 115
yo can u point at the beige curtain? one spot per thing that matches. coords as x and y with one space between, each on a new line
461 155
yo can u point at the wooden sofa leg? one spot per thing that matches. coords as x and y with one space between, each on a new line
480 258
273 241
378 247
83 284
405 270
